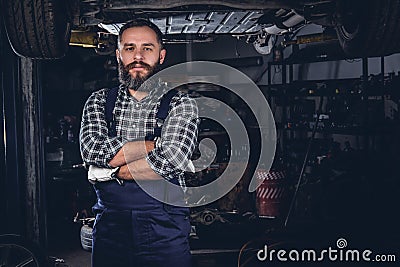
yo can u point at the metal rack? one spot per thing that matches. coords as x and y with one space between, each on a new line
287 90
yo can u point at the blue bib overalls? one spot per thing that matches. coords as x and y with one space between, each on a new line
131 227
134 229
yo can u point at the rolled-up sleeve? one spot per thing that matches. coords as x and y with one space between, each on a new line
96 147
172 154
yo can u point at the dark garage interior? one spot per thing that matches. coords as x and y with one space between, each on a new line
332 182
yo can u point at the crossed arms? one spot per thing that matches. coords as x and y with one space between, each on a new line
131 159
140 159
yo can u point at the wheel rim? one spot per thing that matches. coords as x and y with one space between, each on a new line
15 255
350 26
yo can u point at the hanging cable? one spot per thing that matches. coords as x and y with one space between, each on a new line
319 111
236 47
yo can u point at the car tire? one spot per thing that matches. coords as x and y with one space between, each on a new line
15 250
369 27
37 28
86 237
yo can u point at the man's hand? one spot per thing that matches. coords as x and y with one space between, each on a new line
137 170
149 146
130 152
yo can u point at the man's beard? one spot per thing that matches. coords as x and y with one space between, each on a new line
135 82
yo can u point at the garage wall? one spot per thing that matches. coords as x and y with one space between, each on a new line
229 47
11 171
2 145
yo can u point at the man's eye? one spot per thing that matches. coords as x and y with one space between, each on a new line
147 49
129 48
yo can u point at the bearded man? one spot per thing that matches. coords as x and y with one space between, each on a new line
132 228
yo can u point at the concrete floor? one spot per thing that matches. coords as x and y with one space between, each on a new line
64 244
216 248
74 257
219 246
79 258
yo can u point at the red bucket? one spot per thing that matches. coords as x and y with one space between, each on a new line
271 195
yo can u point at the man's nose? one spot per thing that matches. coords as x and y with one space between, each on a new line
138 55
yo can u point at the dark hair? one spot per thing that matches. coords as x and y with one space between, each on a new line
141 23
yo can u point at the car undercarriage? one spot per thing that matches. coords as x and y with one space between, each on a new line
45 29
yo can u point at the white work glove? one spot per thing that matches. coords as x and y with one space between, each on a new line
191 167
98 174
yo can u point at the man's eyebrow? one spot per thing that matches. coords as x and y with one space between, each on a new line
149 44
145 44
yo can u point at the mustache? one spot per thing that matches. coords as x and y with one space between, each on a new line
141 63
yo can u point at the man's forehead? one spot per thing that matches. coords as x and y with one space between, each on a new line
142 33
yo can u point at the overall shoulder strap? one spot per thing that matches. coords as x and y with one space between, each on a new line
111 98
163 110
162 113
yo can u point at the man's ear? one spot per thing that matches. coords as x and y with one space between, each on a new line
163 52
117 54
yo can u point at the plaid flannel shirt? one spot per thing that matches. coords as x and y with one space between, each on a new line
135 120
